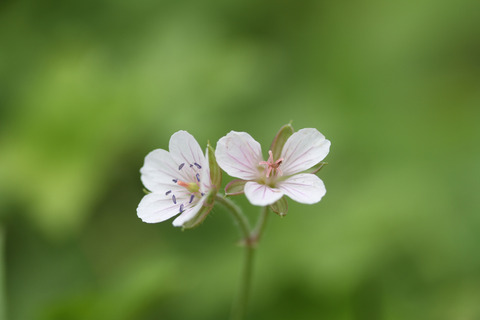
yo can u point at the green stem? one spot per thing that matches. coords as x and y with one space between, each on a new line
250 241
261 223
237 214
240 306
3 305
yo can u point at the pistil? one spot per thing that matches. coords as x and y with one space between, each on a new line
190 186
272 167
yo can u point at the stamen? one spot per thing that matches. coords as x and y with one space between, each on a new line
191 165
191 198
183 184
272 167
202 194
198 177
197 165
174 199
168 192
181 208
175 180
181 166
192 187
269 170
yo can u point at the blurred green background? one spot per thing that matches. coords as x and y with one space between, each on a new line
88 88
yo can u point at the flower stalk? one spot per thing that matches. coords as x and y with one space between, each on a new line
239 308
3 304
260 226
251 237
238 216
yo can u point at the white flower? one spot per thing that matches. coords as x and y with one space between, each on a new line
239 155
179 181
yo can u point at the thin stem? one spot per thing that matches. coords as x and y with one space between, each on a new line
237 215
3 305
260 226
240 306
251 238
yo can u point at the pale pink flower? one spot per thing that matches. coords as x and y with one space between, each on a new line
239 155
179 181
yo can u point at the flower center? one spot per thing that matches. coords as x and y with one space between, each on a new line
192 187
272 167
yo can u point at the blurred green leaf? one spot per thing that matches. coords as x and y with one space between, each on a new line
88 88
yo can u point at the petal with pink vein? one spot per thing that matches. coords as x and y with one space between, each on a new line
238 154
304 188
260 194
303 149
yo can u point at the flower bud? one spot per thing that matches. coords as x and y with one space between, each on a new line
280 207
282 135
235 187
215 171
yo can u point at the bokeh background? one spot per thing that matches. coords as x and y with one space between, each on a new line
88 88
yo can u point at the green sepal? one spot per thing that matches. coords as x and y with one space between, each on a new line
235 187
215 171
280 207
203 212
279 141
316 168
146 191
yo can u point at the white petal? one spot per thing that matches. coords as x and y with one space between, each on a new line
185 149
260 194
156 207
238 154
304 188
304 149
159 170
188 214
